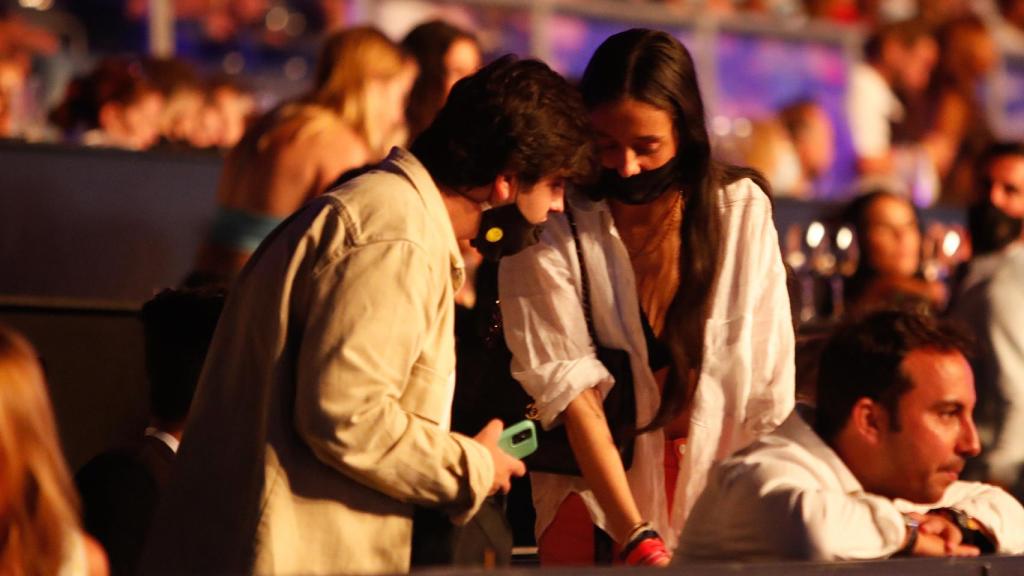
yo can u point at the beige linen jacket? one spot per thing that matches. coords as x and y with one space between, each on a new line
322 413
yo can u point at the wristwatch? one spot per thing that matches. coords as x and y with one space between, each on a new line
971 530
913 526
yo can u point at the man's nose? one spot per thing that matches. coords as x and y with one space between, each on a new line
996 195
968 444
558 202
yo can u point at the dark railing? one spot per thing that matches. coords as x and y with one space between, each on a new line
984 566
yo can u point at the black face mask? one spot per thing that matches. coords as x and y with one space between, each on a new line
642 188
504 231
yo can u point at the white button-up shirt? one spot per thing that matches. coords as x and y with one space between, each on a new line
746 386
790 496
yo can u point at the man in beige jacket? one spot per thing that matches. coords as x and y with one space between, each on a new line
322 415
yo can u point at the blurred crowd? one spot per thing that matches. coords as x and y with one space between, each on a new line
915 109
916 116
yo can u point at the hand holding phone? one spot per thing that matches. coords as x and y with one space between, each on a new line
519 440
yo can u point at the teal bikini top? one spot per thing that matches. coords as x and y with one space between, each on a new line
240 229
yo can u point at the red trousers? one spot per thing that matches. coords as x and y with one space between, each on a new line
569 539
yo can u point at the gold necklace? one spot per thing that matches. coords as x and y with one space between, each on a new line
655 239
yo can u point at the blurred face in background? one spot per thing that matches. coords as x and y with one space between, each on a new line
972 49
892 239
1004 182
462 59
387 98
135 125
917 63
234 107
633 136
815 143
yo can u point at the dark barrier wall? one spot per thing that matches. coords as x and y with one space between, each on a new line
111 225
94 224
93 359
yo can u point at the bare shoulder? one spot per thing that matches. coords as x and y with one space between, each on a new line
343 147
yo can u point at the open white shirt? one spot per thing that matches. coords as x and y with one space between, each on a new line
790 496
746 386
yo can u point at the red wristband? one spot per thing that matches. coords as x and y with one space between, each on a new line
647 552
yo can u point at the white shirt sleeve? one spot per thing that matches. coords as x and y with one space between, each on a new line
870 105
545 328
1000 512
1005 327
786 507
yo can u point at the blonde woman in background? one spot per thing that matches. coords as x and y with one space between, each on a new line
40 533
353 115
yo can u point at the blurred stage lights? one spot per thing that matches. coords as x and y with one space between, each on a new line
277 19
950 243
815 234
296 68
233 63
36 4
844 238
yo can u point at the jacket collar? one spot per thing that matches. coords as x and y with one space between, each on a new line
402 162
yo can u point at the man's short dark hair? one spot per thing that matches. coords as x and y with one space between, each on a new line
513 115
906 32
995 151
863 359
990 228
178 326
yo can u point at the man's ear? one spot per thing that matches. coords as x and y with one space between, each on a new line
869 420
504 186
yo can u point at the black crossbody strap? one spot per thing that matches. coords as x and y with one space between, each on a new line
584 279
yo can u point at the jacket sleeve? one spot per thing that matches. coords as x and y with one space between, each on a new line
749 355
368 312
545 328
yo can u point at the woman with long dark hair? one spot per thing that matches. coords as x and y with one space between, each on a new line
889 267
445 54
690 243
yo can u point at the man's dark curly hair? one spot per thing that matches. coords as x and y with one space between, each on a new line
863 359
515 116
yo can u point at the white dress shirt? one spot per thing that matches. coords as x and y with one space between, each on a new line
790 496
990 304
746 386
871 107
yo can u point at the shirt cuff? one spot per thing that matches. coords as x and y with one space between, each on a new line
555 384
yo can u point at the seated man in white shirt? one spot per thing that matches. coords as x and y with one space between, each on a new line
874 472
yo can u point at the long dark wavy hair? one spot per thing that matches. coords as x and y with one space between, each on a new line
428 43
653 67
856 214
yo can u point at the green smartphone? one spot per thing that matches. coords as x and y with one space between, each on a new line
520 439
